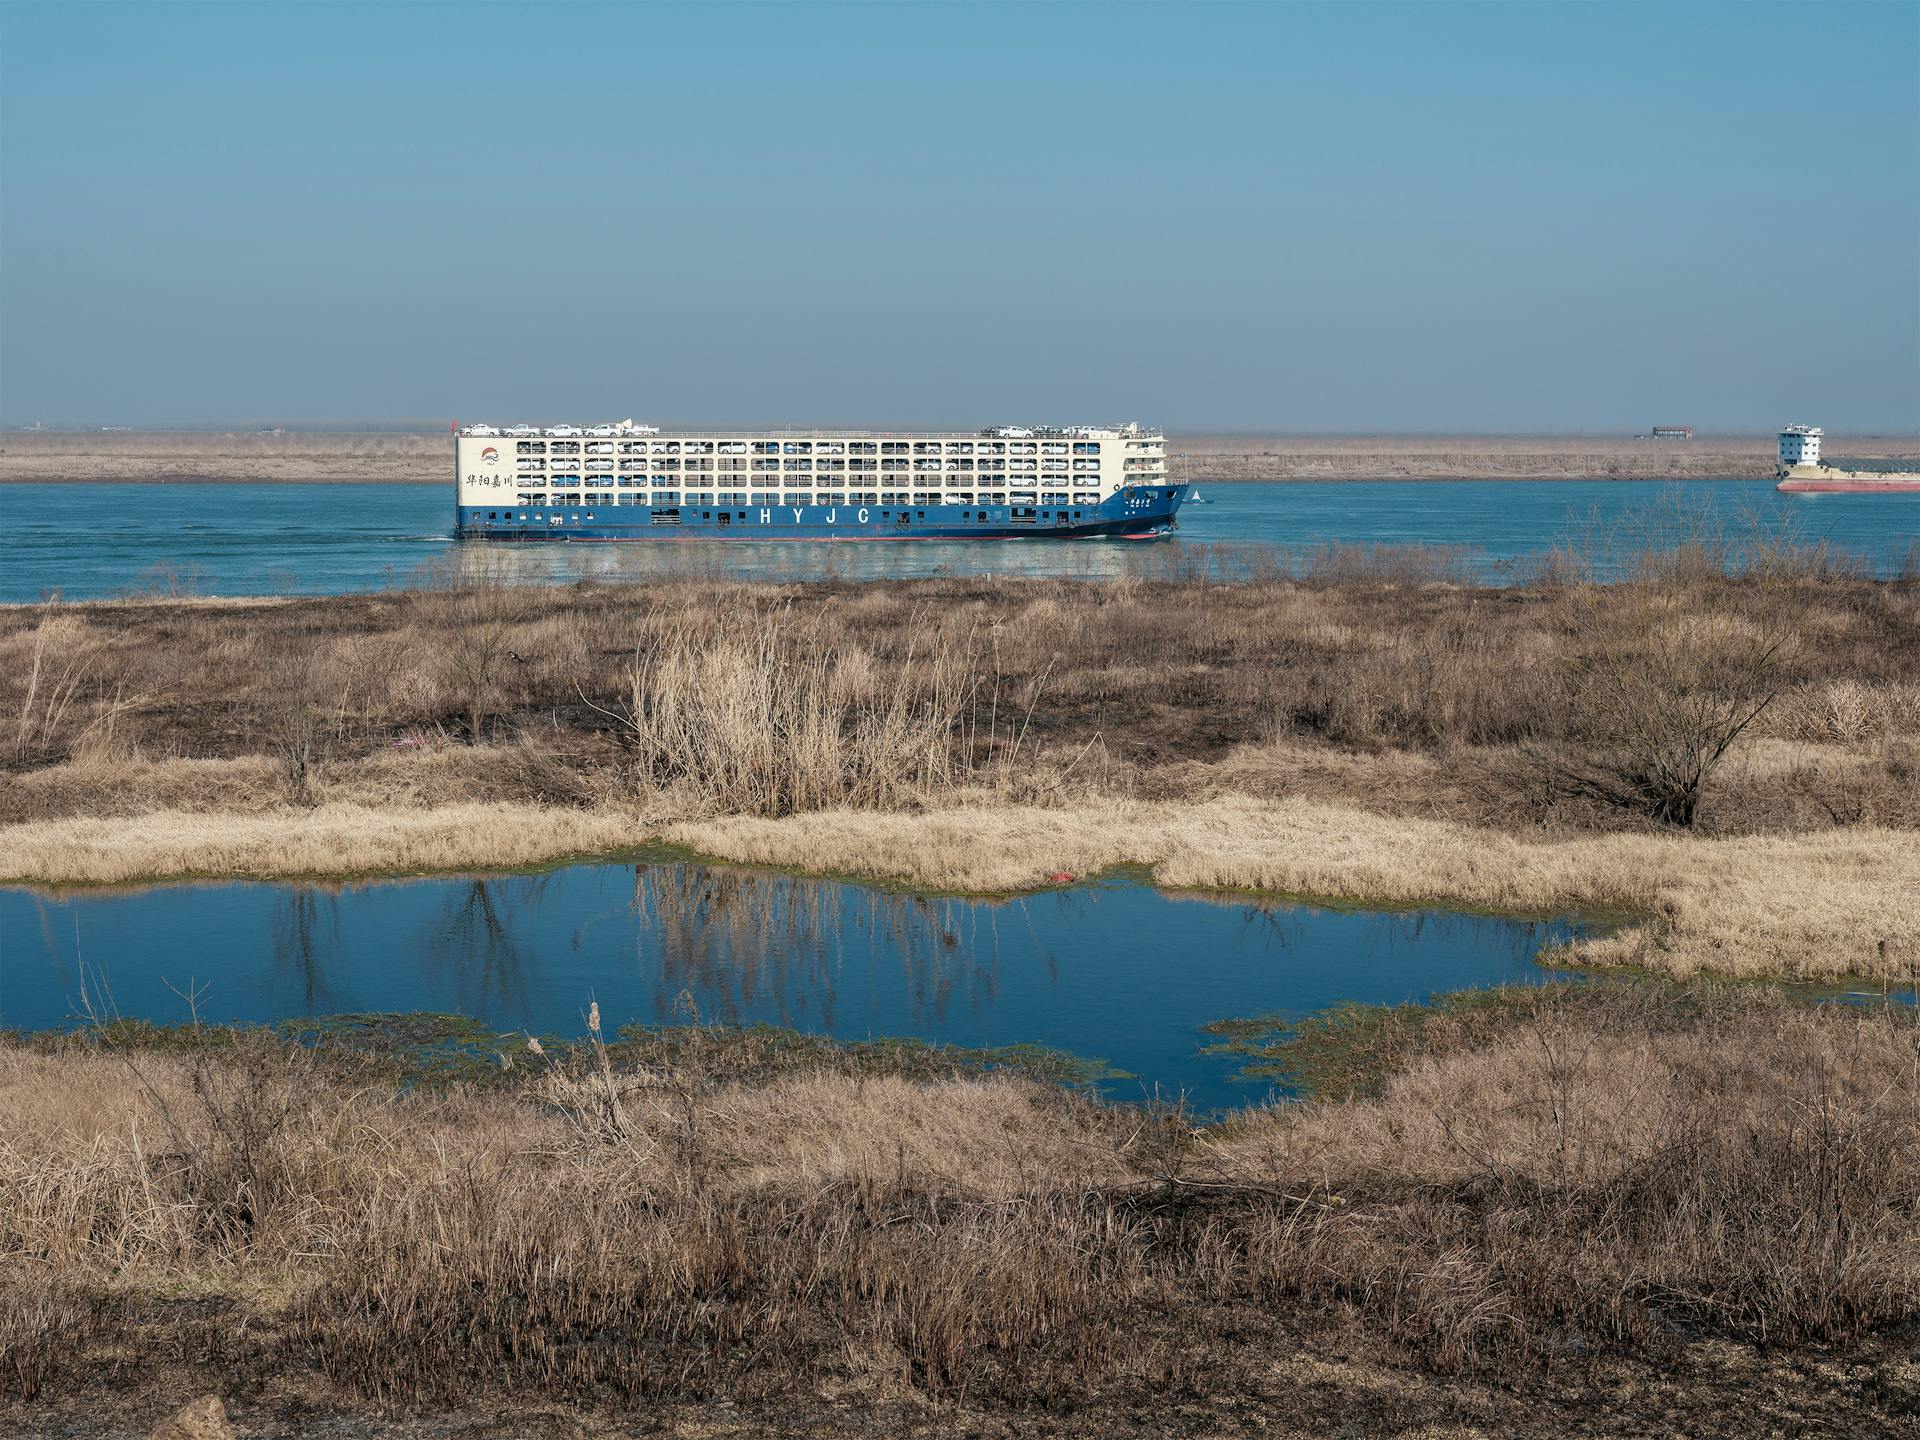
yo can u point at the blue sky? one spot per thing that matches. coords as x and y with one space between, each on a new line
1352 217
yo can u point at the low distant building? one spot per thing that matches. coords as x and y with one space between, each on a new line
1799 445
1673 432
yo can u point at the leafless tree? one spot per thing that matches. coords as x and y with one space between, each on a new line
1658 682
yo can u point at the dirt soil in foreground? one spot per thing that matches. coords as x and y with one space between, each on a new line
1297 1389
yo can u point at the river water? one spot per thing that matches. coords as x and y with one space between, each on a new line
96 541
1110 970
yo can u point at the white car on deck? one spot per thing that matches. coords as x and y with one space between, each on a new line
521 430
599 429
563 430
481 430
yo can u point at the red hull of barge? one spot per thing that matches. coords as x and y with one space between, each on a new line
1851 487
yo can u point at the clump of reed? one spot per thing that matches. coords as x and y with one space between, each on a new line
770 717
49 664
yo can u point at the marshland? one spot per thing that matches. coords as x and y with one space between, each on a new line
1722 745
1673 1189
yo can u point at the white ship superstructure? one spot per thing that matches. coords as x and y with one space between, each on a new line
1799 445
633 481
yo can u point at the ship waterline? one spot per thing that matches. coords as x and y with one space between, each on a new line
609 483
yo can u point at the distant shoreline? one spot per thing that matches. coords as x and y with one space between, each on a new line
172 457
344 458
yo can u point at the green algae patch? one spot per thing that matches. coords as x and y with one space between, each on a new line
1350 1051
430 1050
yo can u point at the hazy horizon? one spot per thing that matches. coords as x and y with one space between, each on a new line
1378 220
316 425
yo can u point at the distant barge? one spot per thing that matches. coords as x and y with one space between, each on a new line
635 482
1801 472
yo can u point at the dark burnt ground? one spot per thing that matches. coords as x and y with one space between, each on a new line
1267 1380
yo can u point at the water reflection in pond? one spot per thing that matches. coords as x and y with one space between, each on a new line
1111 969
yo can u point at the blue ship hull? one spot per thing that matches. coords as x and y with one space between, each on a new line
1136 513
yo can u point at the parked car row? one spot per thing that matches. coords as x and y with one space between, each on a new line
625 427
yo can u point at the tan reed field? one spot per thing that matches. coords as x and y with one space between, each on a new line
1657 1182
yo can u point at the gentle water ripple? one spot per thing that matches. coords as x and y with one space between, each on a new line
96 541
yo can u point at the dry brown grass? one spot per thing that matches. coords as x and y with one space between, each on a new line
1608 1173
325 840
1430 698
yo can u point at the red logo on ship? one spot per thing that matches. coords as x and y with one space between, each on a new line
489 455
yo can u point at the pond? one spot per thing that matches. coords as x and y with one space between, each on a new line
1110 969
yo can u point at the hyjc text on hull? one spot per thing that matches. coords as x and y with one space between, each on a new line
635 482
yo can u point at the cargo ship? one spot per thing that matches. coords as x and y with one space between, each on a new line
637 482
1801 471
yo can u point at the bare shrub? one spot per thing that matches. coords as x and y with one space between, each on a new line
1660 680
479 613
295 732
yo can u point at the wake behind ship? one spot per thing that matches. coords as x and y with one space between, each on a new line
633 482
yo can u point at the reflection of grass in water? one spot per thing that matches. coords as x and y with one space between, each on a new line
426 1049
734 936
